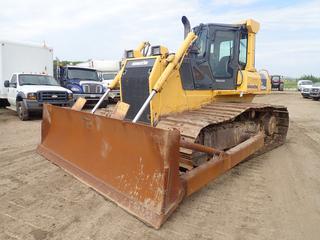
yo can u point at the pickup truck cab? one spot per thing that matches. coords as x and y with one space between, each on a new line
27 92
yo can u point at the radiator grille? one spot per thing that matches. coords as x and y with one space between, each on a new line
52 96
92 88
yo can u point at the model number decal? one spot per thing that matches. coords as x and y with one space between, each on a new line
139 63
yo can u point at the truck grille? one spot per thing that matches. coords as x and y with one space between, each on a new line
315 90
52 96
92 88
306 90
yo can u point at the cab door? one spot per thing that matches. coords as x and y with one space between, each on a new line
223 57
12 93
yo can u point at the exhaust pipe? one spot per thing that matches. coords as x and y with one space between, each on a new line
186 25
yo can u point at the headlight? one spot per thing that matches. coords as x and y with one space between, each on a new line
129 54
159 50
155 50
32 96
75 89
70 96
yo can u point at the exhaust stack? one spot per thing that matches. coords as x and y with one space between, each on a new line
186 25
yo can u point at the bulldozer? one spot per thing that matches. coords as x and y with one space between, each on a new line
190 118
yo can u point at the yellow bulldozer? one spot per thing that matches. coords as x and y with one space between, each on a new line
190 119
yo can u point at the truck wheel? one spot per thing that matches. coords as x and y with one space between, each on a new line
22 111
281 87
4 103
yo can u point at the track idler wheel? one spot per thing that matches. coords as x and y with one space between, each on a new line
270 125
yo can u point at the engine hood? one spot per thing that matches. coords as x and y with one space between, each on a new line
36 88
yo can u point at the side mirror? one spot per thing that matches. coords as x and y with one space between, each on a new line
6 83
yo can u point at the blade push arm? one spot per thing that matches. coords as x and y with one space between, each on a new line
140 51
173 63
112 85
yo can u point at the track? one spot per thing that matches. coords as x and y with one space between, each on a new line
232 122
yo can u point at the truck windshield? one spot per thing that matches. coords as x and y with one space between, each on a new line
32 79
108 76
276 78
83 74
306 82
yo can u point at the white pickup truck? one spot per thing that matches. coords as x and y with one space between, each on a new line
27 92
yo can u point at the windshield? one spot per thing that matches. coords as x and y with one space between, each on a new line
30 79
84 74
108 76
307 82
277 78
316 84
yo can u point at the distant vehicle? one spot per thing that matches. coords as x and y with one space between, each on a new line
82 81
305 91
107 70
277 82
304 83
27 92
315 91
22 57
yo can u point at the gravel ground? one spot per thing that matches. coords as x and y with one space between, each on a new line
273 196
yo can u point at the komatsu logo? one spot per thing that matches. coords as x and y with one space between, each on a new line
139 63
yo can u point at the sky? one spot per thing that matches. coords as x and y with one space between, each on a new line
288 42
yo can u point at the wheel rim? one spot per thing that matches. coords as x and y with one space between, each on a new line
20 111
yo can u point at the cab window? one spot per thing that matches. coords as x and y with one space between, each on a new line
221 53
201 43
243 49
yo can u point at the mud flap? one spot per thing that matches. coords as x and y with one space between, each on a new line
134 165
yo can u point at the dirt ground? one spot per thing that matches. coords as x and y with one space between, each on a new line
273 196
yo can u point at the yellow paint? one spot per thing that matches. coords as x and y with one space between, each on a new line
137 53
172 98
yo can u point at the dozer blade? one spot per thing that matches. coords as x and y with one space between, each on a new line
134 165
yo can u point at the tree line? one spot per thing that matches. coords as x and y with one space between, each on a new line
310 77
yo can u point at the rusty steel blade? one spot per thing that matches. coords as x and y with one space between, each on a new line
134 165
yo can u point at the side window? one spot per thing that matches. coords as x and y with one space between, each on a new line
243 49
221 53
226 49
13 81
201 43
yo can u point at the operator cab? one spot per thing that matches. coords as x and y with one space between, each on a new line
215 57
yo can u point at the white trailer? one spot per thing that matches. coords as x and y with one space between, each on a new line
107 69
101 65
23 58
